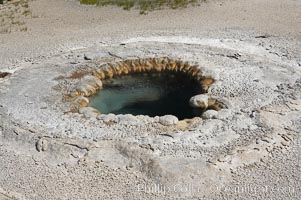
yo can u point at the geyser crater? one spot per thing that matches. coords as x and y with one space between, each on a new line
153 87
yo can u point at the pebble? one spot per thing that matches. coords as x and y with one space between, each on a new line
168 120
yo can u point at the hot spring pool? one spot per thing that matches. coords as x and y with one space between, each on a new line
152 94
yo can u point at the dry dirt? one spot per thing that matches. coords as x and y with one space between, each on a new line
250 150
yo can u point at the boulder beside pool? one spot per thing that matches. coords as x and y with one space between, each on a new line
89 112
168 120
199 101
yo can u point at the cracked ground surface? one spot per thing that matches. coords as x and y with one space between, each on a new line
249 150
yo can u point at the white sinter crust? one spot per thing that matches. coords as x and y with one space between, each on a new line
250 48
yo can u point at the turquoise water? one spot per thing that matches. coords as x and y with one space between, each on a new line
153 95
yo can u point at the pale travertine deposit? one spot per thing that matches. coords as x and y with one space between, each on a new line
244 54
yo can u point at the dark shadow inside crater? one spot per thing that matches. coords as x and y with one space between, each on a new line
152 94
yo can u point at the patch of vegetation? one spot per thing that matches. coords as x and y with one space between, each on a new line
12 16
143 5
126 4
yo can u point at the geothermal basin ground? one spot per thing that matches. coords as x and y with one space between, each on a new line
195 103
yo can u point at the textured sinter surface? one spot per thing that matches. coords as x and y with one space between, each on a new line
252 50
260 90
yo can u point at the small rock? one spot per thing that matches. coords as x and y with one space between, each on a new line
108 118
86 57
89 112
199 101
100 117
156 119
168 120
286 138
285 143
253 127
41 145
266 139
4 74
210 114
224 159
252 114
263 36
235 56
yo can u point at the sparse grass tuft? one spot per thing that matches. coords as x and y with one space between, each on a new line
26 12
126 4
89 2
13 15
143 5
